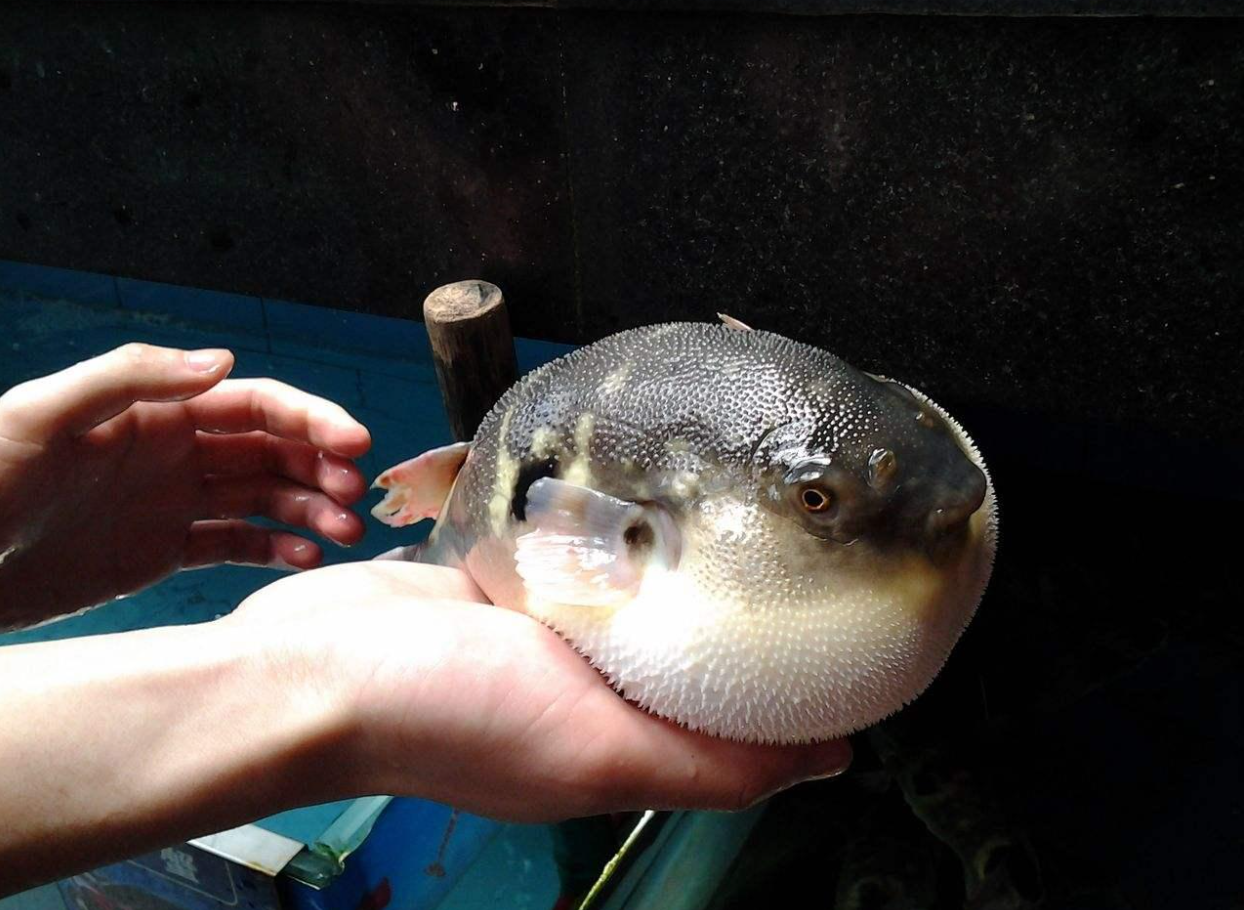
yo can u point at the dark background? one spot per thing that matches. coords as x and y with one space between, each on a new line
1040 214
1038 220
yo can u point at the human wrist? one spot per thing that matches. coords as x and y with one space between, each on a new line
118 744
246 741
378 659
300 709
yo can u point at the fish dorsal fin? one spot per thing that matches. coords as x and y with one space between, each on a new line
588 548
417 488
731 323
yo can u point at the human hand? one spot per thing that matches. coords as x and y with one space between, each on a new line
432 692
125 468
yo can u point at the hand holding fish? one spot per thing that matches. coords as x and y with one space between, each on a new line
146 460
373 677
428 691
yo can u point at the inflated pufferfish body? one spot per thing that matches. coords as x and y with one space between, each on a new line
742 532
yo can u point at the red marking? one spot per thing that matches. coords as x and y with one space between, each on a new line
379 897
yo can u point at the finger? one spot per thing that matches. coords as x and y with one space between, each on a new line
649 762
244 454
243 405
737 776
212 543
86 394
284 501
707 773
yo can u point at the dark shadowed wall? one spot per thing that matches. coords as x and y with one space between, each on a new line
1039 215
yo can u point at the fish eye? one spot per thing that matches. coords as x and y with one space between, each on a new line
815 500
818 497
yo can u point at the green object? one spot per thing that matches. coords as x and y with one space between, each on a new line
682 866
326 852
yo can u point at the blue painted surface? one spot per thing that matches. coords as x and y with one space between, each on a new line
377 368
377 344
411 859
84 287
515 872
193 305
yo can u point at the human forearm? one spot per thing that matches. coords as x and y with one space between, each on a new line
117 744
374 677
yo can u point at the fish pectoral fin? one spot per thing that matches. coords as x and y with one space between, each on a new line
589 548
560 568
417 488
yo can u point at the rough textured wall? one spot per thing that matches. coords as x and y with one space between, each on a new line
1038 214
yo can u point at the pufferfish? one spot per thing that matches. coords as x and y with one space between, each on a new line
741 532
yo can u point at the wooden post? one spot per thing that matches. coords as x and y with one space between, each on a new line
472 348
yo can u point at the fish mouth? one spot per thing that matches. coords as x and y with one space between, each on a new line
955 504
957 501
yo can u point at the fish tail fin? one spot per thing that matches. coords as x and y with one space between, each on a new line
417 488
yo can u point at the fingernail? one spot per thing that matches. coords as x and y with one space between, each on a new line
826 775
206 361
298 549
334 465
836 765
345 518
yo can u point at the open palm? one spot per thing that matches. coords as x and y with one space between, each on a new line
445 697
123 469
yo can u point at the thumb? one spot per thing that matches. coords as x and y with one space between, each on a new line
79 398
